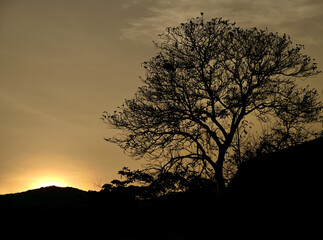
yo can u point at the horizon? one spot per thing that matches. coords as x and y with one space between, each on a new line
65 62
49 185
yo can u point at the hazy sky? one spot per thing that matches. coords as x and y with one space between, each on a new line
63 62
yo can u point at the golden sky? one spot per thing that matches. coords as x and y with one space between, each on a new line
63 62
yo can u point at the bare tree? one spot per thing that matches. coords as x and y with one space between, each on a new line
205 79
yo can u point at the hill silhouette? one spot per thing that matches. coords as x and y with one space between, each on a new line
276 193
281 191
45 196
294 170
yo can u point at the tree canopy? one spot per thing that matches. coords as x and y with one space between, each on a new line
206 78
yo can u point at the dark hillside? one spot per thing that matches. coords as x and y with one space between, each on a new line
45 196
292 171
281 191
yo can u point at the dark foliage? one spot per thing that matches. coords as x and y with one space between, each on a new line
146 184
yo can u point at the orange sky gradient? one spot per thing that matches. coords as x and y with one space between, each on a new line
62 63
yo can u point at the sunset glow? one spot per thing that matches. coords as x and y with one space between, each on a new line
48 181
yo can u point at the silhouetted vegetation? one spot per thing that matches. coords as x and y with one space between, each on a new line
200 90
272 194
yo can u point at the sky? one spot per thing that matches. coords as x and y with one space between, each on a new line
64 62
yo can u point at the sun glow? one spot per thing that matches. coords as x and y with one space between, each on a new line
49 181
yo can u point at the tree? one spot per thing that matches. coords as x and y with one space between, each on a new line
207 77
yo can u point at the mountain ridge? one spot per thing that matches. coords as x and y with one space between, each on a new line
45 188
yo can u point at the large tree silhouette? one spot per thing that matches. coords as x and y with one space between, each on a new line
205 79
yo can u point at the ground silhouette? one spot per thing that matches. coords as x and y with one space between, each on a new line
273 194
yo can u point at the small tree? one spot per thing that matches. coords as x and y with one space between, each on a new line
151 184
204 81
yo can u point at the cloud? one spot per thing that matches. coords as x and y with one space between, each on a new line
130 3
278 15
27 110
156 17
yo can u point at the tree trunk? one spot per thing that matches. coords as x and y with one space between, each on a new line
218 168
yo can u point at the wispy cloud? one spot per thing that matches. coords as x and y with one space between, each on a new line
28 109
279 15
158 16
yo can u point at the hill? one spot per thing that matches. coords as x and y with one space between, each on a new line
281 190
294 170
45 196
59 211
